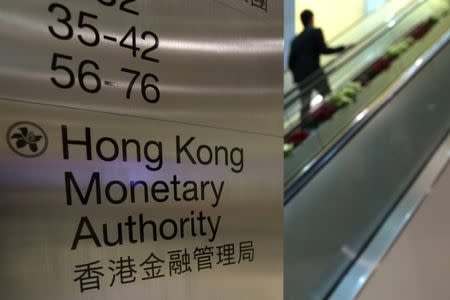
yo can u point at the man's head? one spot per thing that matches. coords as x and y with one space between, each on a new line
307 18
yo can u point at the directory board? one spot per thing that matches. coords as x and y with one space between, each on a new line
141 149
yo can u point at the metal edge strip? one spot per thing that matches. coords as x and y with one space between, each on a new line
365 265
316 165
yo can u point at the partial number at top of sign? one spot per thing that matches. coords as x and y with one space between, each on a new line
90 36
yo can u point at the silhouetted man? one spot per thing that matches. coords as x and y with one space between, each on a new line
304 61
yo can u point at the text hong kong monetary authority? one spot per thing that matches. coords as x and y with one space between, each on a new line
140 228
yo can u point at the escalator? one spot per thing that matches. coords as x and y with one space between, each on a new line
360 33
345 178
351 67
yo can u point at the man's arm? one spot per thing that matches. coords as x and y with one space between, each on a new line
323 48
291 61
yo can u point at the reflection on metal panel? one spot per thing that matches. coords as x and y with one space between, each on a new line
46 200
213 64
141 150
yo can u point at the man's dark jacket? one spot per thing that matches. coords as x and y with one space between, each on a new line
305 53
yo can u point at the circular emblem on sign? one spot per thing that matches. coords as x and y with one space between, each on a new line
27 139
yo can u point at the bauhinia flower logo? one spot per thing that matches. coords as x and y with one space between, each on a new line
27 139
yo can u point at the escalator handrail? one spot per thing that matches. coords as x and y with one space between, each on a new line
323 159
362 45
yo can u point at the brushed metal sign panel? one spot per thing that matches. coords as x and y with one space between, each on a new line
99 206
208 62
